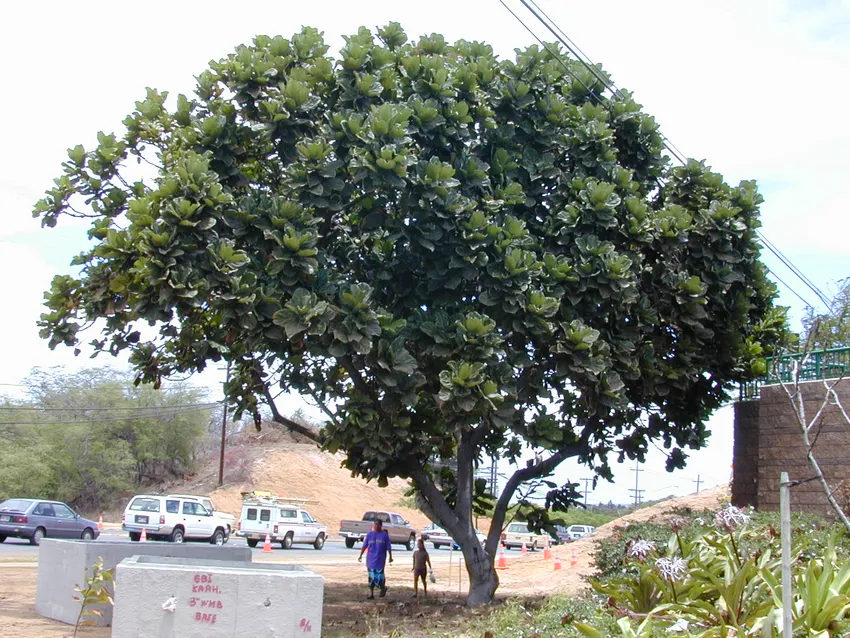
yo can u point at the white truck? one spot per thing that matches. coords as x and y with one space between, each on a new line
176 518
282 519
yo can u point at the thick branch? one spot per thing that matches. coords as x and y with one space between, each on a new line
465 453
435 500
519 477
289 423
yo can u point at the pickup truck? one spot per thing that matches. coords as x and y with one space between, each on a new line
400 531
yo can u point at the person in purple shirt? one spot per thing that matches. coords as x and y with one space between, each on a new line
377 543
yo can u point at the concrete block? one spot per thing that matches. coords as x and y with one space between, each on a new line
62 564
213 598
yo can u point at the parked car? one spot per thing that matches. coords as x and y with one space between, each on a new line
440 537
575 532
400 531
282 519
173 518
517 534
35 519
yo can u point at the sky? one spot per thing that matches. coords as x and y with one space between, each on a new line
754 88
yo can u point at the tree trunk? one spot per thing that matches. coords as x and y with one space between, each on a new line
483 579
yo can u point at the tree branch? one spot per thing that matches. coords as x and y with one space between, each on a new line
289 423
519 477
324 408
435 499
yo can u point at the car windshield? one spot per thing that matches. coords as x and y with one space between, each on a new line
145 505
15 505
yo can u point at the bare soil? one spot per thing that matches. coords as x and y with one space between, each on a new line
348 613
284 465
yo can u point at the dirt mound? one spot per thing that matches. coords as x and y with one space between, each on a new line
533 575
278 463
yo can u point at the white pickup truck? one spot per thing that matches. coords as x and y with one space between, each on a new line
282 519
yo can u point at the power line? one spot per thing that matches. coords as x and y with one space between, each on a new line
90 409
171 413
787 262
780 280
573 48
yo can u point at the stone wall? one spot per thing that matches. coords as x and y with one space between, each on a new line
768 441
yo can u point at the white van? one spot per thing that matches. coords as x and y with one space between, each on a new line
173 518
517 534
284 522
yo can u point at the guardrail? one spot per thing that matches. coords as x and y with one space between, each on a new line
820 364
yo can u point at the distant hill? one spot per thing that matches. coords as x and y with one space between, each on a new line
279 463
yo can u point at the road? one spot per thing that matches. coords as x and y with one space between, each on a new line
334 551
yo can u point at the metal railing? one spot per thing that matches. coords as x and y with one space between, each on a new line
820 364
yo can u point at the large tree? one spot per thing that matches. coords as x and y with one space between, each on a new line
455 256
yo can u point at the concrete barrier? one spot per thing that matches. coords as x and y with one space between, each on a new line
166 597
62 564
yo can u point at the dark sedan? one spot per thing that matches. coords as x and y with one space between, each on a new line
35 519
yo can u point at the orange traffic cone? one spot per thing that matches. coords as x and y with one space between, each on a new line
547 551
502 561
557 566
524 550
573 559
267 544
100 522
144 537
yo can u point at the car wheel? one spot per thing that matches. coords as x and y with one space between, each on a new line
437 546
2 538
286 543
349 543
135 536
319 543
177 535
88 534
411 543
218 537
252 542
37 536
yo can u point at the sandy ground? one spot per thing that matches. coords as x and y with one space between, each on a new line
348 613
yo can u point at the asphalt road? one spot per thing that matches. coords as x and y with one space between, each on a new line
333 551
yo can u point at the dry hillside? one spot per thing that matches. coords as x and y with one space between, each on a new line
278 463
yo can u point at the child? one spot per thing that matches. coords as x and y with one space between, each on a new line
420 560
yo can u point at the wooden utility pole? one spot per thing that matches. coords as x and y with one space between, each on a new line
697 481
223 431
586 481
636 490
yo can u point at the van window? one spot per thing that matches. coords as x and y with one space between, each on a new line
518 528
145 505
265 515
172 507
288 514
252 514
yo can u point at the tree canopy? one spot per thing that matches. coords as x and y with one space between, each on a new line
453 255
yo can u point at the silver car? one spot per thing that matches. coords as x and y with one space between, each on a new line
35 519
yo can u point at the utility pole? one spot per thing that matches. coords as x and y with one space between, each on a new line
637 491
697 481
223 431
586 481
